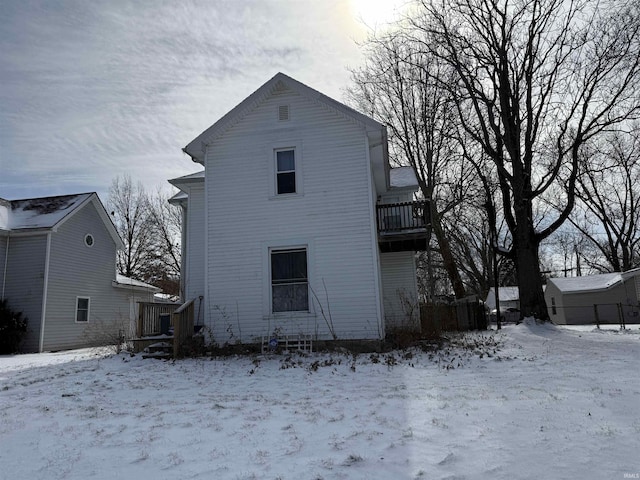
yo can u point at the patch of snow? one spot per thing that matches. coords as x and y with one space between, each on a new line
131 282
530 401
403 177
587 283
41 212
5 208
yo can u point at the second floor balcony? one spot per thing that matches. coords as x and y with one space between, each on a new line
403 226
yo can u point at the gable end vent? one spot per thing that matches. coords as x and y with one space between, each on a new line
283 113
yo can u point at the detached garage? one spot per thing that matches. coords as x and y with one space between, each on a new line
610 298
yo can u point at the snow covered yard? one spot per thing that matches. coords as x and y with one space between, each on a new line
528 402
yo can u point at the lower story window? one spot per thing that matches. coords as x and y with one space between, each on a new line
289 281
82 309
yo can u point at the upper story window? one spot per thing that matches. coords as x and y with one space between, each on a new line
285 171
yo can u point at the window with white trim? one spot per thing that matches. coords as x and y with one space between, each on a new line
289 280
285 171
82 309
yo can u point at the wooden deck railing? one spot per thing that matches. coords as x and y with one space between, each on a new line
149 317
182 320
403 217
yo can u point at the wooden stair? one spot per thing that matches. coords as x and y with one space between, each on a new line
161 350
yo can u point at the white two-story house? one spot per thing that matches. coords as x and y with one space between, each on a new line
297 224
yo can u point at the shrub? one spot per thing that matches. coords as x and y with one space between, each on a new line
13 328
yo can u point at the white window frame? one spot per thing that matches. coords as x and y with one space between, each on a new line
276 250
279 172
88 299
86 242
282 146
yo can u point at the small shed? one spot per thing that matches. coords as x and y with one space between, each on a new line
604 298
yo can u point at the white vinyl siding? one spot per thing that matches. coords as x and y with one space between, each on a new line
4 242
335 212
399 290
194 248
76 271
25 282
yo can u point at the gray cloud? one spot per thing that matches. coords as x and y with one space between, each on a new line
91 90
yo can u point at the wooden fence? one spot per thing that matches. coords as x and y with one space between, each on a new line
182 320
462 315
149 317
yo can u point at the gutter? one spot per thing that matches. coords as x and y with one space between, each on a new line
193 159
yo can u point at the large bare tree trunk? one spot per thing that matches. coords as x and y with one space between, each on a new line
448 259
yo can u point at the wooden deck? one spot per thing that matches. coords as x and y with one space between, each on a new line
178 330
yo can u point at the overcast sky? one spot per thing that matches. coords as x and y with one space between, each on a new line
90 90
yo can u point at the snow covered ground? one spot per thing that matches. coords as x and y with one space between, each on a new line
530 401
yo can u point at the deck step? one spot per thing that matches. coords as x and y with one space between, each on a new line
158 350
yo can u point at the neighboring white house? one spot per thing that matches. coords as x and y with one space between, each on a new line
509 297
298 225
58 267
575 300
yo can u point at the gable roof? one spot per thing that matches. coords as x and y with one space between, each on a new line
505 294
44 212
49 213
591 283
181 182
280 82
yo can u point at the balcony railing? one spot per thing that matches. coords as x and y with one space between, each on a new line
403 218
402 227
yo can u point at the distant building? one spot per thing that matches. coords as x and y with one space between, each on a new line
509 298
612 297
58 267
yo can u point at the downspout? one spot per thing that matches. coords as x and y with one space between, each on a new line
374 242
44 292
6 262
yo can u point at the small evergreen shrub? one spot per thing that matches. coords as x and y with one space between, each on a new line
13 328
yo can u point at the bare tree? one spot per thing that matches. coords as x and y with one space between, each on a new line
129 206
398 85
150 230
568 253
535 80
608 210
166 226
